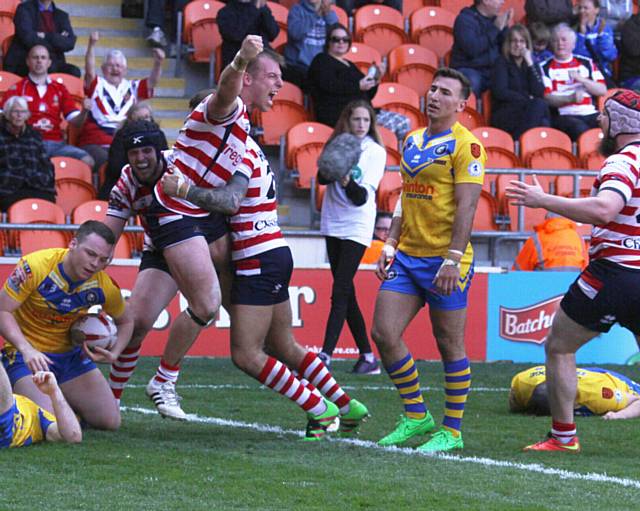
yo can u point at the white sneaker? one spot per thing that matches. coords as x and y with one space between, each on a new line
166 399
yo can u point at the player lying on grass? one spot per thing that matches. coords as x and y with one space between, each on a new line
600 392
22 422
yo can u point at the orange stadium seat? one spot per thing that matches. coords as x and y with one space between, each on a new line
7 28
455 6
548 148
588 143
280 14
96 210
304 145
410 6
402 99
471 118
343 17
379 26
70 168
432 27
389 190
74 85
519 14
7 79
36 211
202 34
287 111
532 217
486 212
494 137
72 192
363 55
414 66
391 146
500 150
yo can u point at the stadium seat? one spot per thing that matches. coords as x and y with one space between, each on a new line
389 190
379 26
201 33
494 137
96 210
343 17
455 6
391 146
7 28
546 148
499 147
486 213
72 192
280 14
532 217
318 195
519 14
7 79
410 6
70 168
287 111
74 85
432 27
304 145
471 118
588 143
36 211
564 185
601 100
363 55
402 99
414 66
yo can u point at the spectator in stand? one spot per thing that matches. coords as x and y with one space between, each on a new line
595 38
155 20
516 86
40 22
335 81
549 12
306 36
540 37
615 12
347 220
49 103
380 235
112 95
555 245
478 33
25 168
350 6
238 19
117 154
630 53
571 83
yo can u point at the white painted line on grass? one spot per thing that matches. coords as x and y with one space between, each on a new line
489 462
347 387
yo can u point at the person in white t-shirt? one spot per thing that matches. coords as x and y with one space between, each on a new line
347 220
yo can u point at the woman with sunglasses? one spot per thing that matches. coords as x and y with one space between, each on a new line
347 219
335 81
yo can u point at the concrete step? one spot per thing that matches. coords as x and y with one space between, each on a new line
104 23
138 65
170 107
169 124
106 9
130 46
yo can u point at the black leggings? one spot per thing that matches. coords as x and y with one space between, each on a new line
344 258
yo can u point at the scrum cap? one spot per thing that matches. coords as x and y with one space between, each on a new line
623 109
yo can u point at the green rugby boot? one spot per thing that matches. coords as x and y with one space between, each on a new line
350 421
317 424
406 429
443 440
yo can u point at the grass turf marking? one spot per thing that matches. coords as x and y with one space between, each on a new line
347 387
489 462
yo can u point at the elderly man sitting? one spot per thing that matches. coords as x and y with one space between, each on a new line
112 95
25 168
571 84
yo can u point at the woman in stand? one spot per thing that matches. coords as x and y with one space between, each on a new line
347 220
516 86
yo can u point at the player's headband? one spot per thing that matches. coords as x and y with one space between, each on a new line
623 109
142 139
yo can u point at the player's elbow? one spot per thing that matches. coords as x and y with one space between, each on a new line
74 436
604 213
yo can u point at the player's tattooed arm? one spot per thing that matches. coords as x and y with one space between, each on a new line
221 200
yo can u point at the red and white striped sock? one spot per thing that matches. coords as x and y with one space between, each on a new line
314 370
563 432
122 370
278 377
166 372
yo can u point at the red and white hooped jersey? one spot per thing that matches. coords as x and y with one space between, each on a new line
619 240
195 149
109 107
254 228
48 109
130 197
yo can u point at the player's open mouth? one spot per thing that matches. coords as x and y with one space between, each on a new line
272 95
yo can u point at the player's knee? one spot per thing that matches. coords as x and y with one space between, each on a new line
204 312
110 422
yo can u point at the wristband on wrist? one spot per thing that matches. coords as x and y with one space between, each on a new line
183 190
392 242
239 64
388 251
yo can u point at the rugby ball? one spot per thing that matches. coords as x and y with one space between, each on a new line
97 329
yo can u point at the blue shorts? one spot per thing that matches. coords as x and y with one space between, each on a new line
165 235
603 294
6 425
414 276
153 259
263 279
66 366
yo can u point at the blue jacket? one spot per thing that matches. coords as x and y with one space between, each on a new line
600 38
476 40
306 34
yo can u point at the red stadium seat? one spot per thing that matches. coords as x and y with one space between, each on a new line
432 27
379 26
414 66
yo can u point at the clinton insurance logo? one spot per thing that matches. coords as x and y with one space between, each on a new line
528 324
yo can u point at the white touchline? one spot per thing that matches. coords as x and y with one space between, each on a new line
346 387
528 467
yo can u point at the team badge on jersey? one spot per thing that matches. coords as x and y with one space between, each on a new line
474 168
475 150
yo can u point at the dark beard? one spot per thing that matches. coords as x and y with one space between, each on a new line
607 146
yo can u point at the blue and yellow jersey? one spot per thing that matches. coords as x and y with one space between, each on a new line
599 391
431 166
23 424
50 301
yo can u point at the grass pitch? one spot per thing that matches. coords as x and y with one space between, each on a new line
242 450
